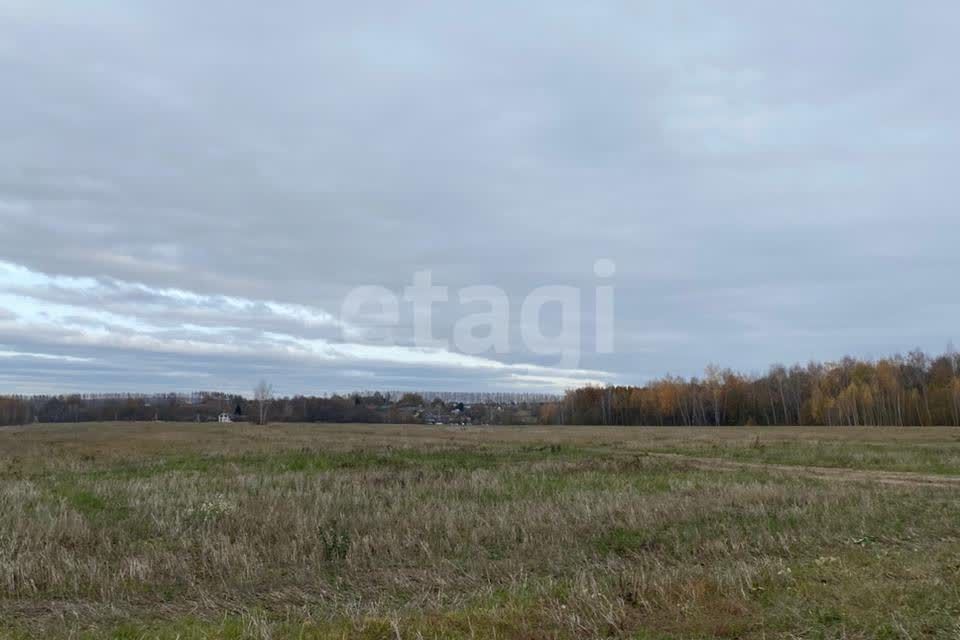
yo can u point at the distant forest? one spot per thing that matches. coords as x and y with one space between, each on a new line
915 389
903 390
367 407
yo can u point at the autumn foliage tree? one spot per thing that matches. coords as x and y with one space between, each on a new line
915 389
15 410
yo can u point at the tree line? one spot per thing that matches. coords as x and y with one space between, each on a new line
368 407
915 389
193 408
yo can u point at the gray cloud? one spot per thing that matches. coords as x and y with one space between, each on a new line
773 182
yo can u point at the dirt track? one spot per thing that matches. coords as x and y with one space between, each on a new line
821 473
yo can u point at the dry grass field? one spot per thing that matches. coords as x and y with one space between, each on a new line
350 531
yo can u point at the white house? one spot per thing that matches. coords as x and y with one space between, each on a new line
224 417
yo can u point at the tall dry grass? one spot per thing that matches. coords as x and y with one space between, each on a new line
197 531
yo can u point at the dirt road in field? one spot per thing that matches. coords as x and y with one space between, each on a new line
820 473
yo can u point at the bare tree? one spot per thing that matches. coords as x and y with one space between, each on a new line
262 395
714 380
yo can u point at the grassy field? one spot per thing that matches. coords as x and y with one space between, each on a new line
349 531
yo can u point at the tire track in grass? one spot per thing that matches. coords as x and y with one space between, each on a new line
837 474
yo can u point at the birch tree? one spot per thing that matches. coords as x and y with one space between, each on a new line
263 395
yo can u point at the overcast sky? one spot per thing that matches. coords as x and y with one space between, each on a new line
188 190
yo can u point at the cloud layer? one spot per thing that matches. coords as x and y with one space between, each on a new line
100 325
188 191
